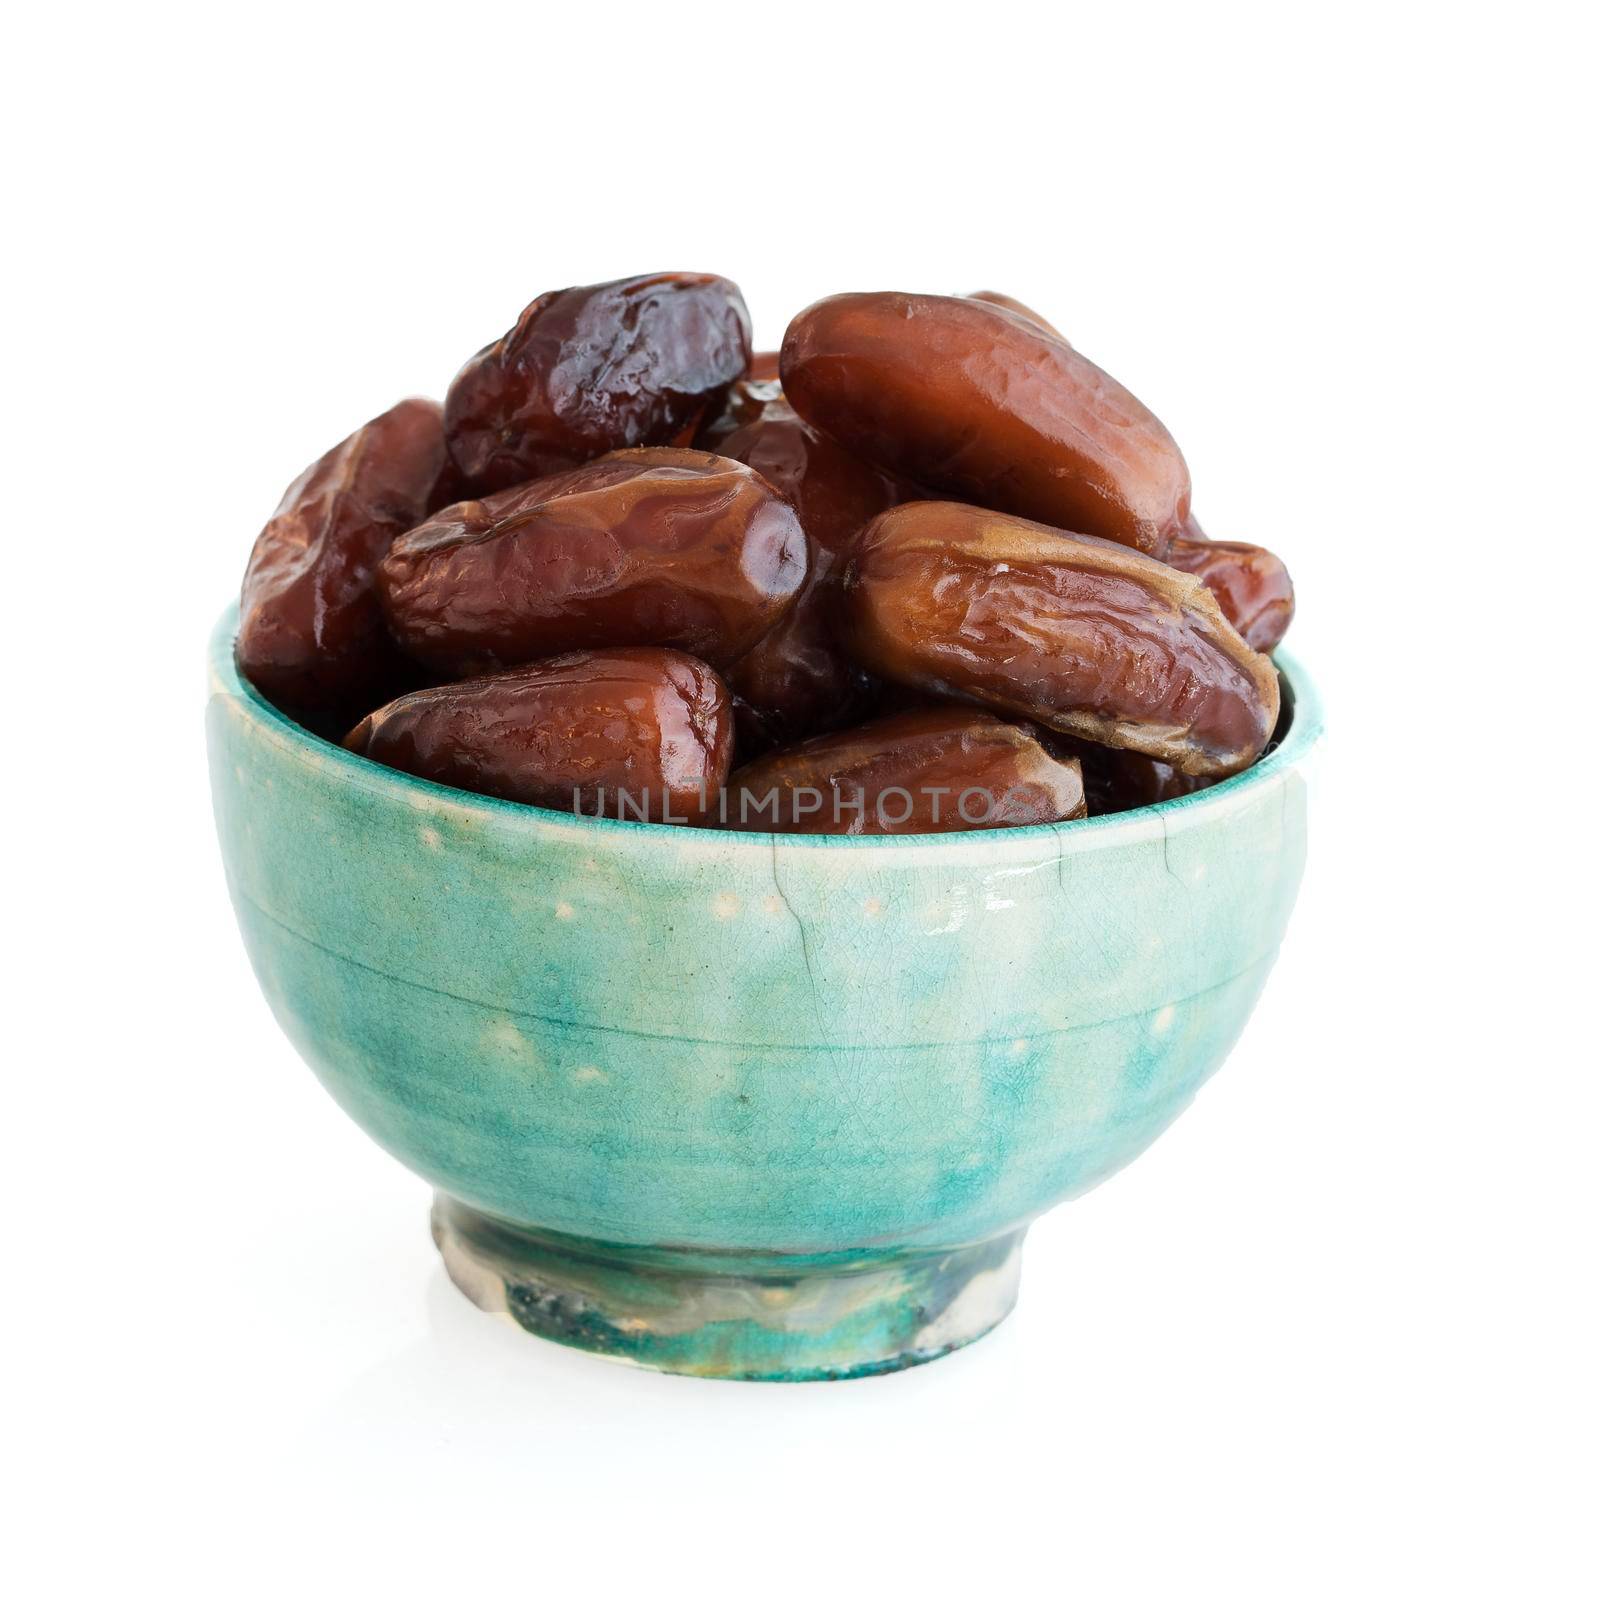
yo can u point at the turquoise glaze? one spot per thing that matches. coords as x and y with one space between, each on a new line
737 1104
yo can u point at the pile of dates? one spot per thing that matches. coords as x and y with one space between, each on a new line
925 569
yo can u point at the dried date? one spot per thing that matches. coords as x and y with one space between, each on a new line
932 771
1251 585
972 400
658 546
1075 633
594 369
311 635
645 734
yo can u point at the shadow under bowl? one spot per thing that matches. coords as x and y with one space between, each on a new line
737 1104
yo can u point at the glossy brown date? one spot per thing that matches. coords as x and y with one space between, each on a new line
661 546
311 635
644 734
595 369
970 399
1075 633
1251 585
932 771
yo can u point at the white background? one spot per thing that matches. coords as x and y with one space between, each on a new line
1335 1333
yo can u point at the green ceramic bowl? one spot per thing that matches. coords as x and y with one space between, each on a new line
735 1104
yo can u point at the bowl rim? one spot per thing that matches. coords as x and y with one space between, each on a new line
1306 730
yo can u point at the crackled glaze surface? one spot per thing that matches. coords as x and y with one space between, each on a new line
697 1041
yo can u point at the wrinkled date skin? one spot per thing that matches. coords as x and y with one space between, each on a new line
1251 585
993 297
1075 633
662 546
586 371
971 399
643 733
796 680
311 635
933 771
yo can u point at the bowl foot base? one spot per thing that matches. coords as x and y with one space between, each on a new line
713 1314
